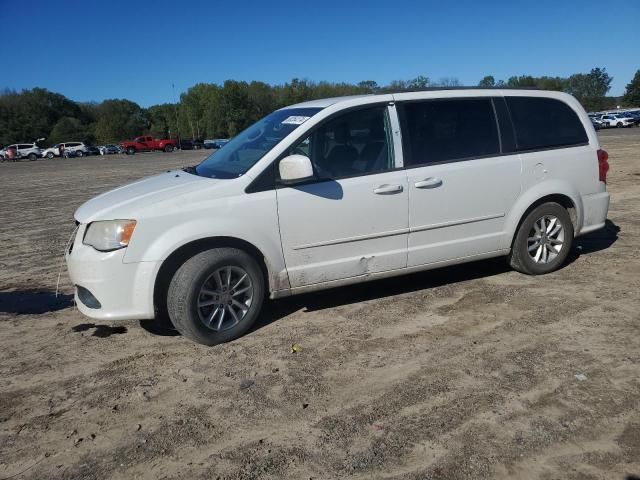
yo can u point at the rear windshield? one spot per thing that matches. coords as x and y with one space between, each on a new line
545 123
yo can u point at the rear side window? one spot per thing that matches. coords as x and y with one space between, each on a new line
436 131
545 123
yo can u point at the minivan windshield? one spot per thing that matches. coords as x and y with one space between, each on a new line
245 149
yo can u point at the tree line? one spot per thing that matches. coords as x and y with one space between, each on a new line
209 110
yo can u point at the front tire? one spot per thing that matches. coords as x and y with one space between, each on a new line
131 151
32 156
50 155
543 240
168 148
216 295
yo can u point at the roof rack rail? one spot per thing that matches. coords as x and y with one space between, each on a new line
431 89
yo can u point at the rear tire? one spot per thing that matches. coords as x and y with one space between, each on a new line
32 157
216 295
543 240
50 155
168 148
131 151
79 153
619 125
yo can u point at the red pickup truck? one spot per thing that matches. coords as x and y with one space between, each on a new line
148 144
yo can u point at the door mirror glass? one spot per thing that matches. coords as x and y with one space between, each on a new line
295 168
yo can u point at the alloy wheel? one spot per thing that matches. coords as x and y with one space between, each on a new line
225 298
545 239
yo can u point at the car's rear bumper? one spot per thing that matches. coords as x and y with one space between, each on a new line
106 287
595 208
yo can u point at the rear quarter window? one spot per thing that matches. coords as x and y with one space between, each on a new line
545 123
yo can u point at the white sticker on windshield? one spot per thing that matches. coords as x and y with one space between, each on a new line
293 120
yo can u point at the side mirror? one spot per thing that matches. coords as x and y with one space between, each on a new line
295 168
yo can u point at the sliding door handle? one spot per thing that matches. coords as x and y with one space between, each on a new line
387 189
431 182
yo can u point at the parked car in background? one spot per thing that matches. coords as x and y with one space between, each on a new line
340 191
619 120
148 144
78 148
635 114
185 144
9 154
597 124
93 151
109 149
24 150
197 144
215 144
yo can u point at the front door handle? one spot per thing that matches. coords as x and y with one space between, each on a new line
431 182
387 189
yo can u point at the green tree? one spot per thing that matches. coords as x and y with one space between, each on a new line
523 81
590 88
632 92
162 120
71 129
32 114
119 120
589 85
487 81
420 82
368 86
448 82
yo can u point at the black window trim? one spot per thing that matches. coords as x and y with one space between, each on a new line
256 185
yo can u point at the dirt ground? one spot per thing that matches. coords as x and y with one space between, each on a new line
471 372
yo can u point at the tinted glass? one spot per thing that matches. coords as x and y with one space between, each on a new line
545 123
446 130
351 144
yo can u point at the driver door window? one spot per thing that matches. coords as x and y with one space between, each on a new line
353 144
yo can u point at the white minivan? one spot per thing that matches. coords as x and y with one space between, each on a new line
339 191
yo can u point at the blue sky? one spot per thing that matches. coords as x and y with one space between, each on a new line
92 50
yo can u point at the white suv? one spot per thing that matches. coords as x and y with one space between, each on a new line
617 120
79 148
339 191
23 150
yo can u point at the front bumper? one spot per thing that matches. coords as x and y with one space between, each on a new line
123 291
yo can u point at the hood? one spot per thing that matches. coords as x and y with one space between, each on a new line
126 201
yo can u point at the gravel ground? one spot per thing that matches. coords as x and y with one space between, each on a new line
473 371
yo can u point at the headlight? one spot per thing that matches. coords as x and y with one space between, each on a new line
109 235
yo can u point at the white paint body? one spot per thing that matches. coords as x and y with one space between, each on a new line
327 234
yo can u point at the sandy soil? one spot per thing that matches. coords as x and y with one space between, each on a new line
464 372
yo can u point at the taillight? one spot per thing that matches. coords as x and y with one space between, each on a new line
603 165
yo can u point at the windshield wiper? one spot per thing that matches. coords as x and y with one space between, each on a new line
191 169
